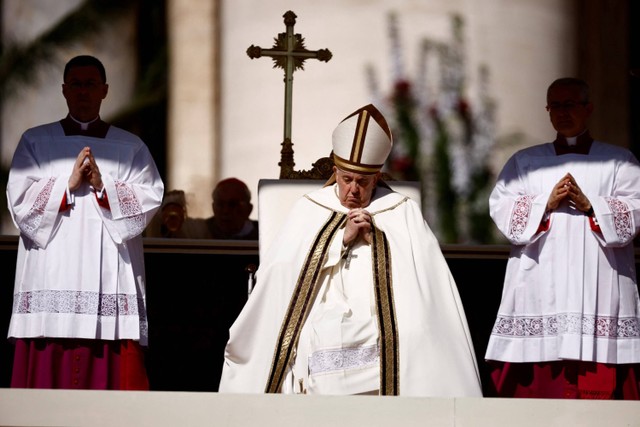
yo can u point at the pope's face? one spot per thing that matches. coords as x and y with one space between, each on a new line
568 111
355 190
84 91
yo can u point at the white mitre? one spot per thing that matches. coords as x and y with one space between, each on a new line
362 141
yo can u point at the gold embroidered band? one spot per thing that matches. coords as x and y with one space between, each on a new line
301 302
357 146
355 167
387 323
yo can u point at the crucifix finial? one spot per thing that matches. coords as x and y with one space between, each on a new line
288 53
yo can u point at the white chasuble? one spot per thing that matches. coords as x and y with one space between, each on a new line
385 316
338 348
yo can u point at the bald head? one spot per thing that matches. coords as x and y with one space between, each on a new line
232 185
231 205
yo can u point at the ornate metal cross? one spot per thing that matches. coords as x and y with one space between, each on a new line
288 53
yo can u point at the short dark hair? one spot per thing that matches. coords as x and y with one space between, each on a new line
85 61
582 85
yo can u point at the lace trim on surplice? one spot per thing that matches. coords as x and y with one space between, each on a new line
343 359
130 207
520 216
32 220
76 302
567 323
82 302
621 218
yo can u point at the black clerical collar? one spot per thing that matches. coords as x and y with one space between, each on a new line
582 144
96 128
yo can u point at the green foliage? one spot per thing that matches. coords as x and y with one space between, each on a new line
446 197
407 132
145 113
480 223
19 63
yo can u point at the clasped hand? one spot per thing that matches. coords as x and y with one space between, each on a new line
86 169
358 226
567 188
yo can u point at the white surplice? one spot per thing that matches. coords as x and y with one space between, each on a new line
339 347
569 292
80 272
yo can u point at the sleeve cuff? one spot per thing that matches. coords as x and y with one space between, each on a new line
70 197
99 193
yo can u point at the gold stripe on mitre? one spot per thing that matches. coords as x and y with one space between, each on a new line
355 167
359 136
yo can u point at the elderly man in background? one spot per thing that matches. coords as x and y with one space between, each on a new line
231 204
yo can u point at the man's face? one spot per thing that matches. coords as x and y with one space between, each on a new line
84 91
173 216
355 190
231 209
568 111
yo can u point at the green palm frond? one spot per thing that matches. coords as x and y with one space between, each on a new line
19 63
